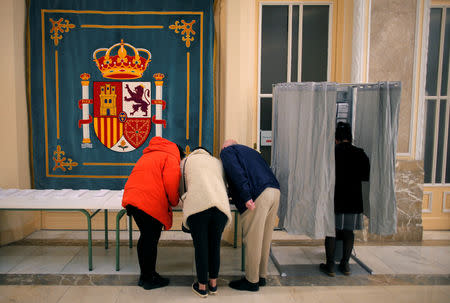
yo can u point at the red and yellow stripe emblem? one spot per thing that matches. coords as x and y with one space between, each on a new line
108 130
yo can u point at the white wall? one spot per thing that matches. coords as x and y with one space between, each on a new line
238 64
14 155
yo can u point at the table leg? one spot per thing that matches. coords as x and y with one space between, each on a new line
242 253
88 217
130 232
106 229
235 229
118 217
83 211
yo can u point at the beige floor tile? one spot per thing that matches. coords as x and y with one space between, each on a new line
290 255
46 259
31 293
310 294
366 255
418 294
444 288
326 294
225 294
307 294
138 294
371 294
88 294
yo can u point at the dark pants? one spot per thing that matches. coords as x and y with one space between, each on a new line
347 237
206 231
147 246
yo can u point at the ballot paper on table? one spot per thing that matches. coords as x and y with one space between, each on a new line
77 194
98 193
43 194
7 192
23 193
61 193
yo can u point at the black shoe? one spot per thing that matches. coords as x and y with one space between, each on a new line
345 268
156 281
244 284
141 281
262 282
199 292
327 269
212 290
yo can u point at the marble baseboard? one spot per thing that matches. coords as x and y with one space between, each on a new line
81 242
359 240
409 195
273 280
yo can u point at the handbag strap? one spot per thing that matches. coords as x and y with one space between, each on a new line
184 178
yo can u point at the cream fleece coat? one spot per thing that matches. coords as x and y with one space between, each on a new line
205 185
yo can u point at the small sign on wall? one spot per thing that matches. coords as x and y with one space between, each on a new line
266 138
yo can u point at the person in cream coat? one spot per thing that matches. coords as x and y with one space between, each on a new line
206 212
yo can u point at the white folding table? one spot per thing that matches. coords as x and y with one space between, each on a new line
65 200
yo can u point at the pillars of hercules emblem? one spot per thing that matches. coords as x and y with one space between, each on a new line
83 104
160 105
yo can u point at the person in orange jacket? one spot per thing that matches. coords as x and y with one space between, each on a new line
150 193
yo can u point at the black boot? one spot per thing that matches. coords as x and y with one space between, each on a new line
347 247
141 280
156 281
330 245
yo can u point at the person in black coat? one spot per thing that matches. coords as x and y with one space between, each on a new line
352 167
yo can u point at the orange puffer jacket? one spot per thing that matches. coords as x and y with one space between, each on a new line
153 184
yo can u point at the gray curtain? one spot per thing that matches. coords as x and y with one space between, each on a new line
376 131
303 126
303 123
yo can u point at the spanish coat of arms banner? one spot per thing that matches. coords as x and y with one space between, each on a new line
105 76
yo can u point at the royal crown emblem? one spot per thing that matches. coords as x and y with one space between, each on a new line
122 66
122 110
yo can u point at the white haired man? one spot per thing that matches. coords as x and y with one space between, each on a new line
256 194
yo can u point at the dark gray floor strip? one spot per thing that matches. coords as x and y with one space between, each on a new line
186 280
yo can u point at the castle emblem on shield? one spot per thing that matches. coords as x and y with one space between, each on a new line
122 110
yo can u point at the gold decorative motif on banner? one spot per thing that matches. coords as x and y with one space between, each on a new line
59 26
85 79
187 151
60 161
186 30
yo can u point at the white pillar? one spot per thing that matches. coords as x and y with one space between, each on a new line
159 106
159 110
86 143
361 41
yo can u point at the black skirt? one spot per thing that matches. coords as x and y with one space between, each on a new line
349 221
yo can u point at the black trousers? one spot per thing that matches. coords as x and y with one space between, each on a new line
206 231
147 246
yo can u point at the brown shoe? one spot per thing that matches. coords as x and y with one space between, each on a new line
327 269
345 268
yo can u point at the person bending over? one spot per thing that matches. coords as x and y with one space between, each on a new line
150 193
256 193
206 211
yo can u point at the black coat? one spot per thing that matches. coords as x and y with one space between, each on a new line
352 167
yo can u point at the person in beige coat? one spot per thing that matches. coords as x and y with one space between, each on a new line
206 212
